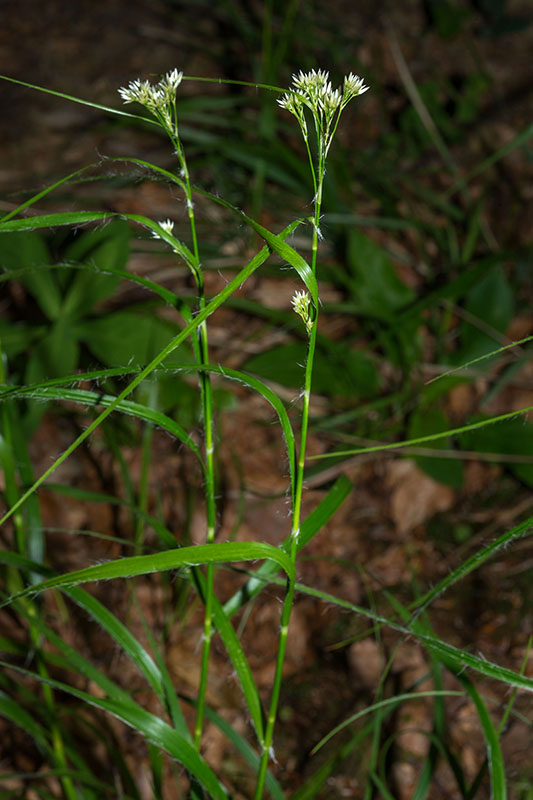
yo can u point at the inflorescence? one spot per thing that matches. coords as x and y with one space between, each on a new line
314 90
301 302
159 98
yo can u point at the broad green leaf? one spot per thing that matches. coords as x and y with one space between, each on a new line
103 248
375 286
338 371
130 336
55 355
490 303
445 470
28 249
16 337
512 437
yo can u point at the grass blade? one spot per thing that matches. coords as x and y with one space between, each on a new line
151 727
182 557
311 525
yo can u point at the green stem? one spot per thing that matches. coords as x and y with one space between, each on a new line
202 355
266 753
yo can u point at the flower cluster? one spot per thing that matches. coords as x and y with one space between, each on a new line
158 98
301 302
314 90
166 225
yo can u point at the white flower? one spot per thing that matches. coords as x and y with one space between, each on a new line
167 225
353 86
294 104
136 92
301 303
157 98
173 79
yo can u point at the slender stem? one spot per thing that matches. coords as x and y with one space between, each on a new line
296 515
202 353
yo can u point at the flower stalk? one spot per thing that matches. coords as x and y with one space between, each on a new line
313 92
160 100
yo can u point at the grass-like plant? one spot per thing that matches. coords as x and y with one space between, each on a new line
317 107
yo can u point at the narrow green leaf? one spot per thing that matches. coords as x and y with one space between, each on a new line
276 242
73 99
311 525
165 294
13 711
389 702
473 562
430 438
184 557
228 290
155 730
238 659
442 650
88 398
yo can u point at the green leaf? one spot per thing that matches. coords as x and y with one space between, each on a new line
165 294
217 301
13 711
238 659
80 493
28 249
310 526
73 99
376 288
512 437
461 658
337 371
449 471
184 557
103 248
390 702
432 437
277 243
86 397
127 337
490 303
155 730
55 355
81 217
16 337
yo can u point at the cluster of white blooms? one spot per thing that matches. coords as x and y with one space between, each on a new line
314 90
301 303
157 98
167 225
